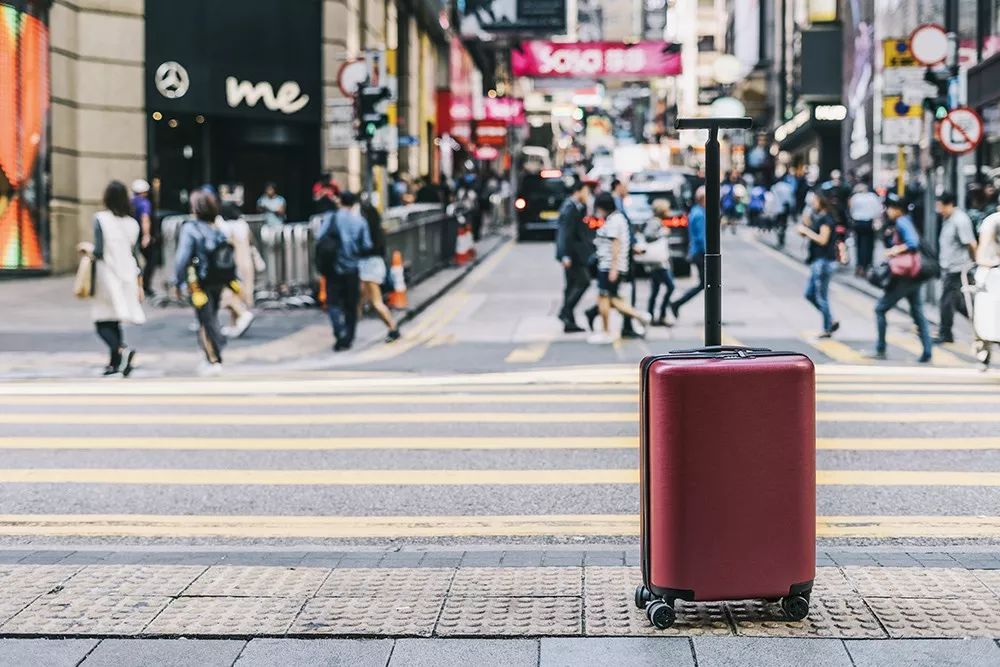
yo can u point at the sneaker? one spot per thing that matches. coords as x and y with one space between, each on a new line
243 323
572 327
210 370
835 327
600 338
924 359
675 310
646 319
228 332
591 315
392 336
876 356
125 366
341 347
940 340
109 370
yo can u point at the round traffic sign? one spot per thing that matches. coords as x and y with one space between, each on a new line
929 44
960 131
352 74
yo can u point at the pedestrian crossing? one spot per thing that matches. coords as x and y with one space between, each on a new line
903 453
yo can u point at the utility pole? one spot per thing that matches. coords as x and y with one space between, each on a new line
951 27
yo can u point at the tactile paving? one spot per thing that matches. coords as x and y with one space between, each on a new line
831 582
60 614
259 581
510 616
240 616
517 582
927 618
610 609
167 580
34 580
839 617
916 582
378 616
387 583
990 578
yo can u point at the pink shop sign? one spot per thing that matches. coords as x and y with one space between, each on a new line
508 109
544 59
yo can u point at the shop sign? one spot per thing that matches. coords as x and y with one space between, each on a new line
288 99
491 133
538 17
544 59
507 109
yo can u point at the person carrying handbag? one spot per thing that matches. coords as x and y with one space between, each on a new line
905 278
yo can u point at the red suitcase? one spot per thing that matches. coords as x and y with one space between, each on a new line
728 458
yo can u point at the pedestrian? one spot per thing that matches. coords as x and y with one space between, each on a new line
272 205
324 193
247 258
611 243
818 227
574 248
988 246
149 246
118 288
372 271
956 254
696 249
656 255
783 191
343 283
619 191
197 264
901 238
865 209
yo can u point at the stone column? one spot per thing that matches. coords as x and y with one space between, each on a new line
98 112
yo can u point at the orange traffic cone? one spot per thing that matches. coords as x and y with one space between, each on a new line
465 248
397 297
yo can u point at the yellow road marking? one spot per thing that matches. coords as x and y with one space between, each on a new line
728 339
908 399
358 527
434 477
909 417
835 349
613 394
941 357
322 444
527 354
916 387
451 443
299 419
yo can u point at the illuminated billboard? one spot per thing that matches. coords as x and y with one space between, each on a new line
24 111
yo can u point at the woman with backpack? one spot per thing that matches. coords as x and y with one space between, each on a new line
372 271
117 287
204 262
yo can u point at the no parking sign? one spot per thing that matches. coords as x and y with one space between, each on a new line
960 131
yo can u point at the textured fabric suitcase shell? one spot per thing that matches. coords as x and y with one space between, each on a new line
729 475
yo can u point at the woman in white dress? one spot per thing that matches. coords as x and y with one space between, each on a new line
117 279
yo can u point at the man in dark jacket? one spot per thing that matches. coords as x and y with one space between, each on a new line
574 246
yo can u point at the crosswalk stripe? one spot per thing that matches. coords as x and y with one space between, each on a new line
612 395
529 353
359 527
445 443
907 399
835 349
382 418
321 444
358 477
941 356
917 387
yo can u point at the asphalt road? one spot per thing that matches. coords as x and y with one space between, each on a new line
486 424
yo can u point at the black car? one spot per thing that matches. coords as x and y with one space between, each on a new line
639 207
537 204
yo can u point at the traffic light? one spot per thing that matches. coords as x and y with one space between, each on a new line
938 104
371 111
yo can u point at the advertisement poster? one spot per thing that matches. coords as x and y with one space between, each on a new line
591 60
859 74
536 17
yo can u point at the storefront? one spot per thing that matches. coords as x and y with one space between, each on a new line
220 104
984 96
24 145
812 138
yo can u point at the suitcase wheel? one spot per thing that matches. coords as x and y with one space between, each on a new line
660 614
796 607
642 596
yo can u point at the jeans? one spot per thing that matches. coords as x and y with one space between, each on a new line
343 294
951 300
577 282
864 236
658 277
698 262
909 290
818 289
210 334
111 333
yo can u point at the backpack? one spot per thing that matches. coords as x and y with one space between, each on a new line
757 199
221 269
328 247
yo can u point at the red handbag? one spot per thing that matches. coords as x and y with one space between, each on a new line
906 264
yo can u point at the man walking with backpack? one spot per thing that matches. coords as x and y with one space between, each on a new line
205 262
343 240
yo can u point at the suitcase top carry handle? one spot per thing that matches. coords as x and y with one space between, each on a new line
713 216
715 349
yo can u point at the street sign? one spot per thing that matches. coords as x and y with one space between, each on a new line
896 53
893 106
960 131
352 74
340 135
902 131
928 44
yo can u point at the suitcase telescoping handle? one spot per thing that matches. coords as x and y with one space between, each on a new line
713 218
